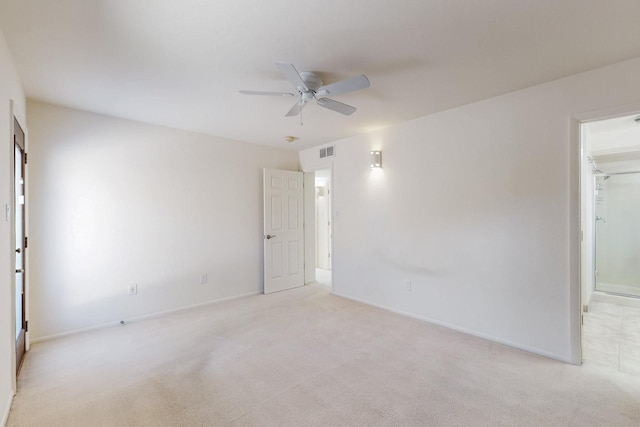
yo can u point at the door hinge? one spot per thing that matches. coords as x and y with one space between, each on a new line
26 242
25 158
26 326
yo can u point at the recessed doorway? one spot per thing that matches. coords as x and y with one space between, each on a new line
323 232
19 215
610 194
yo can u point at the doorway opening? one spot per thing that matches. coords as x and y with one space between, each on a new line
610 253
19 216
323 221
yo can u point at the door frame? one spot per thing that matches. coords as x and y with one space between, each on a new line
576 225
309 227
323 230
10 211
19 147
310 221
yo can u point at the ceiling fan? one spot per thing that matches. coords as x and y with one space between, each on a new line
309 87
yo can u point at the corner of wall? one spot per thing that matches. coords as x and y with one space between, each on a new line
7 408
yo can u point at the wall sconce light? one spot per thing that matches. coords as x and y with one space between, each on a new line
376 159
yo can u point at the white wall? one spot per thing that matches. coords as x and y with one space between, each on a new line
10 90
479 207
115 202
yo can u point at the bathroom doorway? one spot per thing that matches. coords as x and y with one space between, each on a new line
610 264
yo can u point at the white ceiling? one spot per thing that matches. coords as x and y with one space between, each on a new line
180 63
618 124
615 139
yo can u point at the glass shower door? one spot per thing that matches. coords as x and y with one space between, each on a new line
617 234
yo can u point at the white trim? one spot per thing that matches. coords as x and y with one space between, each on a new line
12 239
27 251
459 329
7 409
575 242
140 318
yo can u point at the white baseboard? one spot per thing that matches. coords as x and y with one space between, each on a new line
460 329
139 318
7 408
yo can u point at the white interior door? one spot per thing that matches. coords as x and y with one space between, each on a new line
283 230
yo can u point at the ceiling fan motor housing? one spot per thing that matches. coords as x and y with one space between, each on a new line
312 81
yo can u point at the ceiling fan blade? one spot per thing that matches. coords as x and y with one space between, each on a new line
291 74
336 106
296 109
259 92
344 86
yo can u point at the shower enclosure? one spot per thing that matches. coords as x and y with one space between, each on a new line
617 232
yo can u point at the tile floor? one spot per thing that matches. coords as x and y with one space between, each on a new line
611 337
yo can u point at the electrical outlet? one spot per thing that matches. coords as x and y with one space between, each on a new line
203 278
133 289
407 285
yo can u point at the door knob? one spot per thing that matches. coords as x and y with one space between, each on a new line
18 250
20 270
269 236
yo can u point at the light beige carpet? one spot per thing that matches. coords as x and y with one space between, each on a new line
306 358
